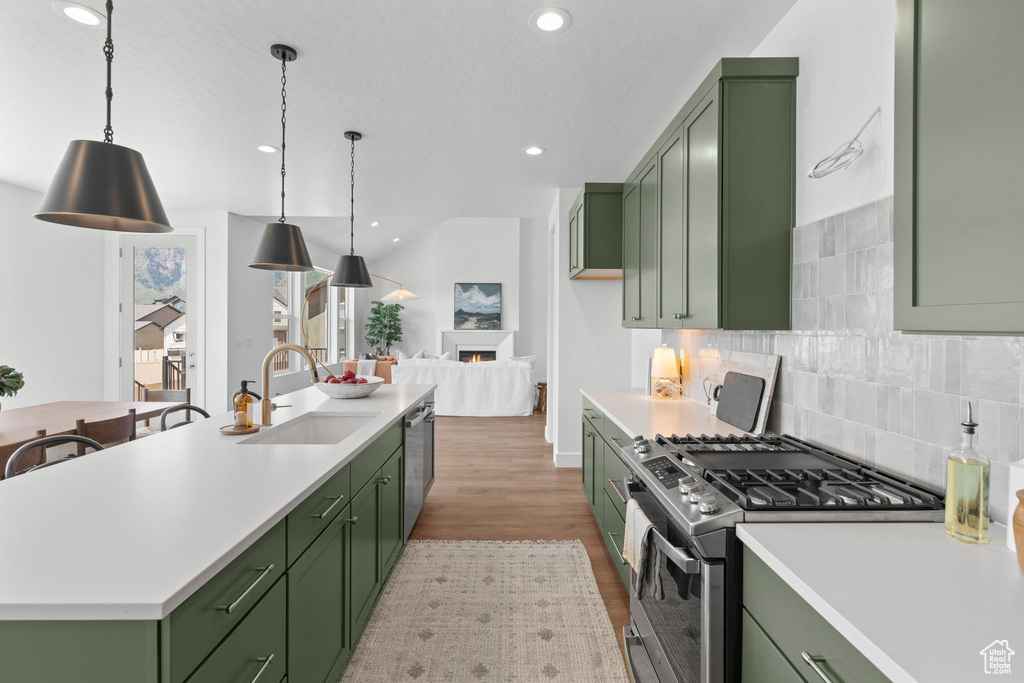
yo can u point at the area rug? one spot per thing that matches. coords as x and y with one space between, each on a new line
473 611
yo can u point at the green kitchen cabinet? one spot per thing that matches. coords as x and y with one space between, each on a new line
392 518
760 659
796 629
720 207
958 233
615 470
595 233
366 571
590 438
630 254
319 637
614 528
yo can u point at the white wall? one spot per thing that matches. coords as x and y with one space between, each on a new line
250 328
531 339
592 349
51 298
847 60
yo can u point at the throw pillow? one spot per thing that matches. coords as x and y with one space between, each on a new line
532 360
447 355
402 355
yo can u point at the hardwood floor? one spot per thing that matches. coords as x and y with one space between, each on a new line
495 480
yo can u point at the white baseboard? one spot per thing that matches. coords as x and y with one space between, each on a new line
547 434
568 459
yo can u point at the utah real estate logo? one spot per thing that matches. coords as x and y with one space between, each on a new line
997 657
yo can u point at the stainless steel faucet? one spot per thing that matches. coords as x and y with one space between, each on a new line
267 403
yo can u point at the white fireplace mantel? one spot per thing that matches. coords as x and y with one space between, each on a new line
503 341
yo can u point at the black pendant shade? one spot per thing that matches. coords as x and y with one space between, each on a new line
103 186
281 247
351 272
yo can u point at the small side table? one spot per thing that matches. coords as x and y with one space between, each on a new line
542 397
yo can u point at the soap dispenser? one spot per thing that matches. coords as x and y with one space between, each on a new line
243 406
967 488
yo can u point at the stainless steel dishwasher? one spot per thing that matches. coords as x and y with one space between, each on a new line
419 459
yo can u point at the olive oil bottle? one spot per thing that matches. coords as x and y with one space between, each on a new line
967 488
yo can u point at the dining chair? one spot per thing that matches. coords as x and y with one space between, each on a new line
35 456
167 396
188 408
11 470
107 432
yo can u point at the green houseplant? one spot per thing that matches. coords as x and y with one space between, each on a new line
11 381
383 326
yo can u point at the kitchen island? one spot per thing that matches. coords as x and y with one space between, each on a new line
105 557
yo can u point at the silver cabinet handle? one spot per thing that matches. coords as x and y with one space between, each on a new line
813 663
336 499
617 442
264 571
633 317
266 662
615 485
587 434
677 316
590 413
352 521
385 480
611 537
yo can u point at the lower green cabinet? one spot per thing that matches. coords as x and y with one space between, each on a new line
392 518
590 438
601 466
319 638
366 566
761 660
614 528
256 650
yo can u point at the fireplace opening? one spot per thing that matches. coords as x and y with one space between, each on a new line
476 356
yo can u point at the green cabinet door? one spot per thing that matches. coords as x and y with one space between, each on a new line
761 661
958 234
699 297
589 437
319 642
614 528
580 257
630 255
671 238
648 187
392 519
365 566
574 241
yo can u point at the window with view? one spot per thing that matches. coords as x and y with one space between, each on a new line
305 302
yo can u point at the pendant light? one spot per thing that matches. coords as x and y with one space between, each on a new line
101 185
281 246
351 270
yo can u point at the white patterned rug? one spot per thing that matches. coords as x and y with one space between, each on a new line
474 611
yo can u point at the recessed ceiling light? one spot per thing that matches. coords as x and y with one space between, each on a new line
80 14
267 149
533 150
550 20
396 239
374 224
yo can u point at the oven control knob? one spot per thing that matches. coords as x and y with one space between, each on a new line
641 445
684 482
695 492
708 504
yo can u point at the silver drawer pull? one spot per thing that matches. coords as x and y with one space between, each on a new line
352 521
336 499
592 414
677 316
264 571
813 663
611 537
588 434
615 485
385 480
266 662
617 442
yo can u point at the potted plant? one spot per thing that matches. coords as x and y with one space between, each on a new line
383 326
11 381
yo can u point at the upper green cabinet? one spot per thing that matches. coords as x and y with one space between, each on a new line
595 233
959 209
708 213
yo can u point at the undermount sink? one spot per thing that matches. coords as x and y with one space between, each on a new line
322 429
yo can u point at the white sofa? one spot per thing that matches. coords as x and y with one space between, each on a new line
488 389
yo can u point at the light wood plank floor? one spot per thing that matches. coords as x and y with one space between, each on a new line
495 480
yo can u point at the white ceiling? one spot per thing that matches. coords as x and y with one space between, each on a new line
446 93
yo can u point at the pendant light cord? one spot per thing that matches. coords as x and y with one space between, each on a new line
108 52
352 203
284 110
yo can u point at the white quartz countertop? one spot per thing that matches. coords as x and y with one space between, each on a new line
919 605
639 414
130 532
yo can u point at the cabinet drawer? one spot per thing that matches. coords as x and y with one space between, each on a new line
762 661
366 465
796 628
256 650
615 436
594 414
195 628
614 470
314 514
613 526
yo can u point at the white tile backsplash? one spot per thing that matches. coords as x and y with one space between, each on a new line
852 384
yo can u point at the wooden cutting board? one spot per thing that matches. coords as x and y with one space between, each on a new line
740 400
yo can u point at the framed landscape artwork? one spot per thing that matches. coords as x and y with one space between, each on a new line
477 306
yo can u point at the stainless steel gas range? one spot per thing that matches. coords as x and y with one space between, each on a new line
695 490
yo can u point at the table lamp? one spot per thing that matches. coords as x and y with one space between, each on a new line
665 372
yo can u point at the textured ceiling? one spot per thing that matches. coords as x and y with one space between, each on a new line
446 93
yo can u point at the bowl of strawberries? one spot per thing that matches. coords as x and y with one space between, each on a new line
349 385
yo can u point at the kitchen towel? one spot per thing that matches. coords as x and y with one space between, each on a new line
637 551
366 368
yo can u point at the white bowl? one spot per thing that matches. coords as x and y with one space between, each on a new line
351 390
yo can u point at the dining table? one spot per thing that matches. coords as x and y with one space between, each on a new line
20 425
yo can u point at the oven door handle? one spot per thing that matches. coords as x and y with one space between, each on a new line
677 556
631 640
